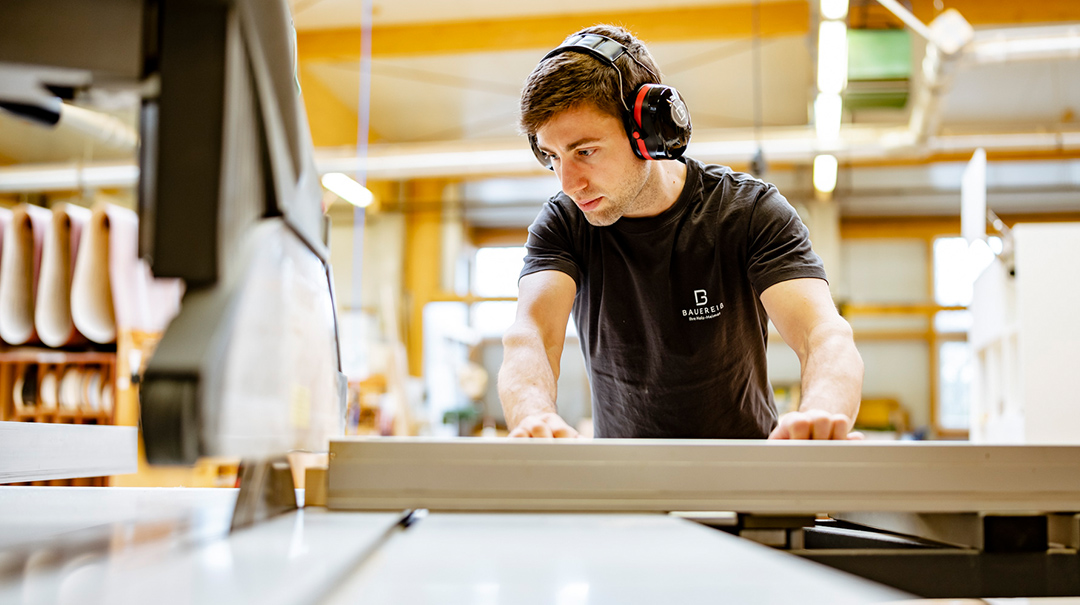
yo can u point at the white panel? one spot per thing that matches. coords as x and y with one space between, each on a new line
1048 296
36 451
993 304
973 198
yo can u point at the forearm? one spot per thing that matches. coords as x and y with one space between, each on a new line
528 377
832 370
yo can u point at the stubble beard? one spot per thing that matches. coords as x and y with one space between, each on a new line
631 198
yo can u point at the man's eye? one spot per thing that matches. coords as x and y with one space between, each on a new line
586 152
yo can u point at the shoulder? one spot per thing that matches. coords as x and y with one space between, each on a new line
733 191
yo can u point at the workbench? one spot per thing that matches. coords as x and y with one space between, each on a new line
605 521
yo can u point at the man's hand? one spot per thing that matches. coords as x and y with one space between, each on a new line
814 424
544 426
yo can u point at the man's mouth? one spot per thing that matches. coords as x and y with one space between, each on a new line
590 204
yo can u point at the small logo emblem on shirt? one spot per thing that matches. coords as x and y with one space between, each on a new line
701 299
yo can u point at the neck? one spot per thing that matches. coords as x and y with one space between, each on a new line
664 185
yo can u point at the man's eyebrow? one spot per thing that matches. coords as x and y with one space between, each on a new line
578 143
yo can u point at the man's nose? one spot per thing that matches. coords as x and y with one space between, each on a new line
571 177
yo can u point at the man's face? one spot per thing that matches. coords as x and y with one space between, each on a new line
595 165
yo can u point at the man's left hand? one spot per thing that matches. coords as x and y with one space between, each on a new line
814 424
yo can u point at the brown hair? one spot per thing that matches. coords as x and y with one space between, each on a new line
571 79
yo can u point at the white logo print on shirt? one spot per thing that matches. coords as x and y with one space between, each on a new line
701 299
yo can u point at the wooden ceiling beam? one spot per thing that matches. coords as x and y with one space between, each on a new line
782 18
1002 12
928 227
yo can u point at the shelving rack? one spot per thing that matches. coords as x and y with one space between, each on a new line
14 363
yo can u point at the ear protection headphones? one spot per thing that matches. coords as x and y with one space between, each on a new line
658 124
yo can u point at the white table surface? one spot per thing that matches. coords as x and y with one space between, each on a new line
578 559
117 545
171 545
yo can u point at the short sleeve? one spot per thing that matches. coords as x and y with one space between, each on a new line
550 244
779 243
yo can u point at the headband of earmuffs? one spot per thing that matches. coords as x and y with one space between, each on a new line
657 122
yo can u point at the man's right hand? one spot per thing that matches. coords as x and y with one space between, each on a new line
540 426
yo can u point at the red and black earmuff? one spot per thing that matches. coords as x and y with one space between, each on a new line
657 124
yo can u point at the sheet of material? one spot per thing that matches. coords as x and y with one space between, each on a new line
20 263
33 451
112 288
670 475
52 307
590 558
169 545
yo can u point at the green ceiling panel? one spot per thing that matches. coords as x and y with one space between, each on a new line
879 54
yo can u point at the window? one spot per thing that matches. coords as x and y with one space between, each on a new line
495 275
956 267
956 373
497 271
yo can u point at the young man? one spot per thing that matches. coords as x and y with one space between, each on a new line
671 267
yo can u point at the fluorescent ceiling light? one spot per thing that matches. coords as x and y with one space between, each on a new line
832 57
825 173
347 189
828 112
834 9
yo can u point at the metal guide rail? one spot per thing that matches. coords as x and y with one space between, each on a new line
672 475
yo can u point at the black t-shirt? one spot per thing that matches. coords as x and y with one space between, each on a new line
668 309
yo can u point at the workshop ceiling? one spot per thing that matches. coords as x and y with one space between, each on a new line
445 71
332 14
452 71
475 95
